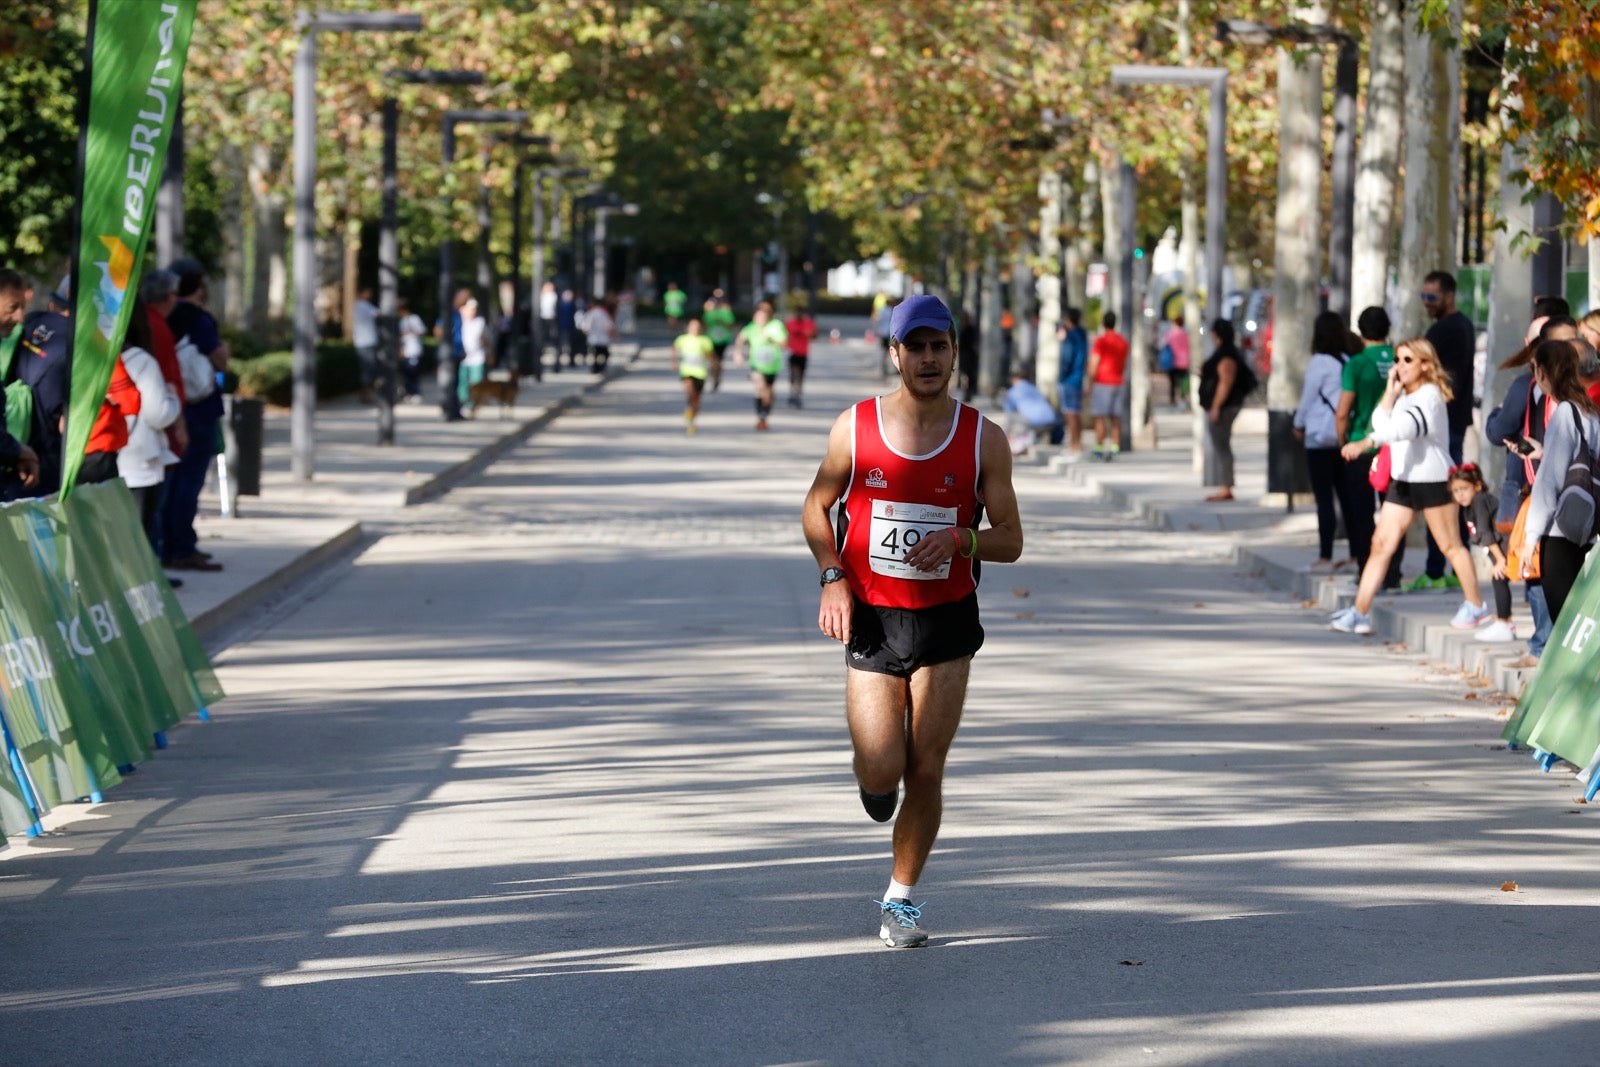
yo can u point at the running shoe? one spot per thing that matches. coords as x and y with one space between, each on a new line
1422 582
1352 623
690 429
900 927
1469 615
1497 632
761 424
880 805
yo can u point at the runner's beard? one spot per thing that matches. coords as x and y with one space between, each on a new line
918 387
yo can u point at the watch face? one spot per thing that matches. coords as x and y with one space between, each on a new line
831 575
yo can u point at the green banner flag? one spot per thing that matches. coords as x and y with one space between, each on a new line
137 50
1559 711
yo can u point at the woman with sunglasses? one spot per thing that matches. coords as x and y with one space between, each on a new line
1561 551
1411 419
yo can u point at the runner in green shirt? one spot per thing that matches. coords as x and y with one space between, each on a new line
673 302
766 338
691 358
719 322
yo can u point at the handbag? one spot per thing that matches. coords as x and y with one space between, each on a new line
1165 359
1381 472
1519 531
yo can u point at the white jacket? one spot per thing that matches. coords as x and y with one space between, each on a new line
142 462
1417 431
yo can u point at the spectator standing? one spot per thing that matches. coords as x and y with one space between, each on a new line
1411 419
448 332
1225 381
145 453
474 351
1361 387
549 305
364 333
566 330
1562 550
15 294
1175 354
602 332
1070 372
194 327
411 331
1316 424
1455 340
1108 367
802 329
159 294
42 363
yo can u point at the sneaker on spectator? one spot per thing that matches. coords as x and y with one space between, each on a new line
1497 632
1469 615
1421 583
1449 581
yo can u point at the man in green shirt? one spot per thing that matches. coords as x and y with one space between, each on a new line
766 338
673 302
719 322
1365 377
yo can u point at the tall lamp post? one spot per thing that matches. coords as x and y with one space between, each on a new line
449 402
389 245
540 240
603 211
303 422
1345 85
520 340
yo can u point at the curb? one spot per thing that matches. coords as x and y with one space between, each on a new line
211 625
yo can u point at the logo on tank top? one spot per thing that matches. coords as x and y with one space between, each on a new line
876 480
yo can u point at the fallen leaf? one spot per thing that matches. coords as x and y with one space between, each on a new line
1199 604
1469 696
1024 614
1479 683
1508 887
1130 963
1308 603
1580 800
1019 591
1503 712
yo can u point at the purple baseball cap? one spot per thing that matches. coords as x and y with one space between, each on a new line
915 311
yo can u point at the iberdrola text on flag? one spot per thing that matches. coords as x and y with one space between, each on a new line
137 50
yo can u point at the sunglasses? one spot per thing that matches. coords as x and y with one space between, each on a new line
1409 359
1430 298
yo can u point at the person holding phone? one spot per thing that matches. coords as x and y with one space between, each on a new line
1411 419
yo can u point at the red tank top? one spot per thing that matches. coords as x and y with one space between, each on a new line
894 500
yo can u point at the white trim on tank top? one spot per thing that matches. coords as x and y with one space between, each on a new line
955 424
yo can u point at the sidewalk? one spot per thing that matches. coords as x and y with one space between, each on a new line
294 527
1162 488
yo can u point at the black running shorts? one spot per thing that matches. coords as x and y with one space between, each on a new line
897 641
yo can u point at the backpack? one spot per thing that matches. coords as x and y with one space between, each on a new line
1576 517
1245 381
199 375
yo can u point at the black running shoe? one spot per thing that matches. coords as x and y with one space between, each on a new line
900 925
880 805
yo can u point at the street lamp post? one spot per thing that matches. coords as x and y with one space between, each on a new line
1341 223
388 242
302 425
519 342
601 213
449 402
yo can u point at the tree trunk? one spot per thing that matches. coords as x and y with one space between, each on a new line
1378 163
233 237
1111 238
1048 358
989 325
1427 236
269 275
350 282
1510 293
1297 261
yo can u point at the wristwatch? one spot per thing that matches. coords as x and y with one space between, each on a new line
831 575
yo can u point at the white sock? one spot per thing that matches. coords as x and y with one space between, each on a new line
896 891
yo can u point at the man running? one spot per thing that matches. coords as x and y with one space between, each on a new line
691 359
673 302
765 337
802 328
719 323
916 471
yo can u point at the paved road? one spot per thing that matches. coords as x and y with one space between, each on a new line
558 773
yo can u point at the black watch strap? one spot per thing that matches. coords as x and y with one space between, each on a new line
831 575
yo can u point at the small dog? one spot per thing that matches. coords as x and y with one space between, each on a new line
503 390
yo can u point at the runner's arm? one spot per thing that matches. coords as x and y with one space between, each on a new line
1002 541
833 477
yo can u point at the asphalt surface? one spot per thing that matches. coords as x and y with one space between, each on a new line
557 772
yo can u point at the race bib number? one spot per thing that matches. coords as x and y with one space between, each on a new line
897 528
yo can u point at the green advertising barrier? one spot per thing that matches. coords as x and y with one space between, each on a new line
1559 711
96 655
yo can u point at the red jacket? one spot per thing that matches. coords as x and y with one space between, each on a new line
110 431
